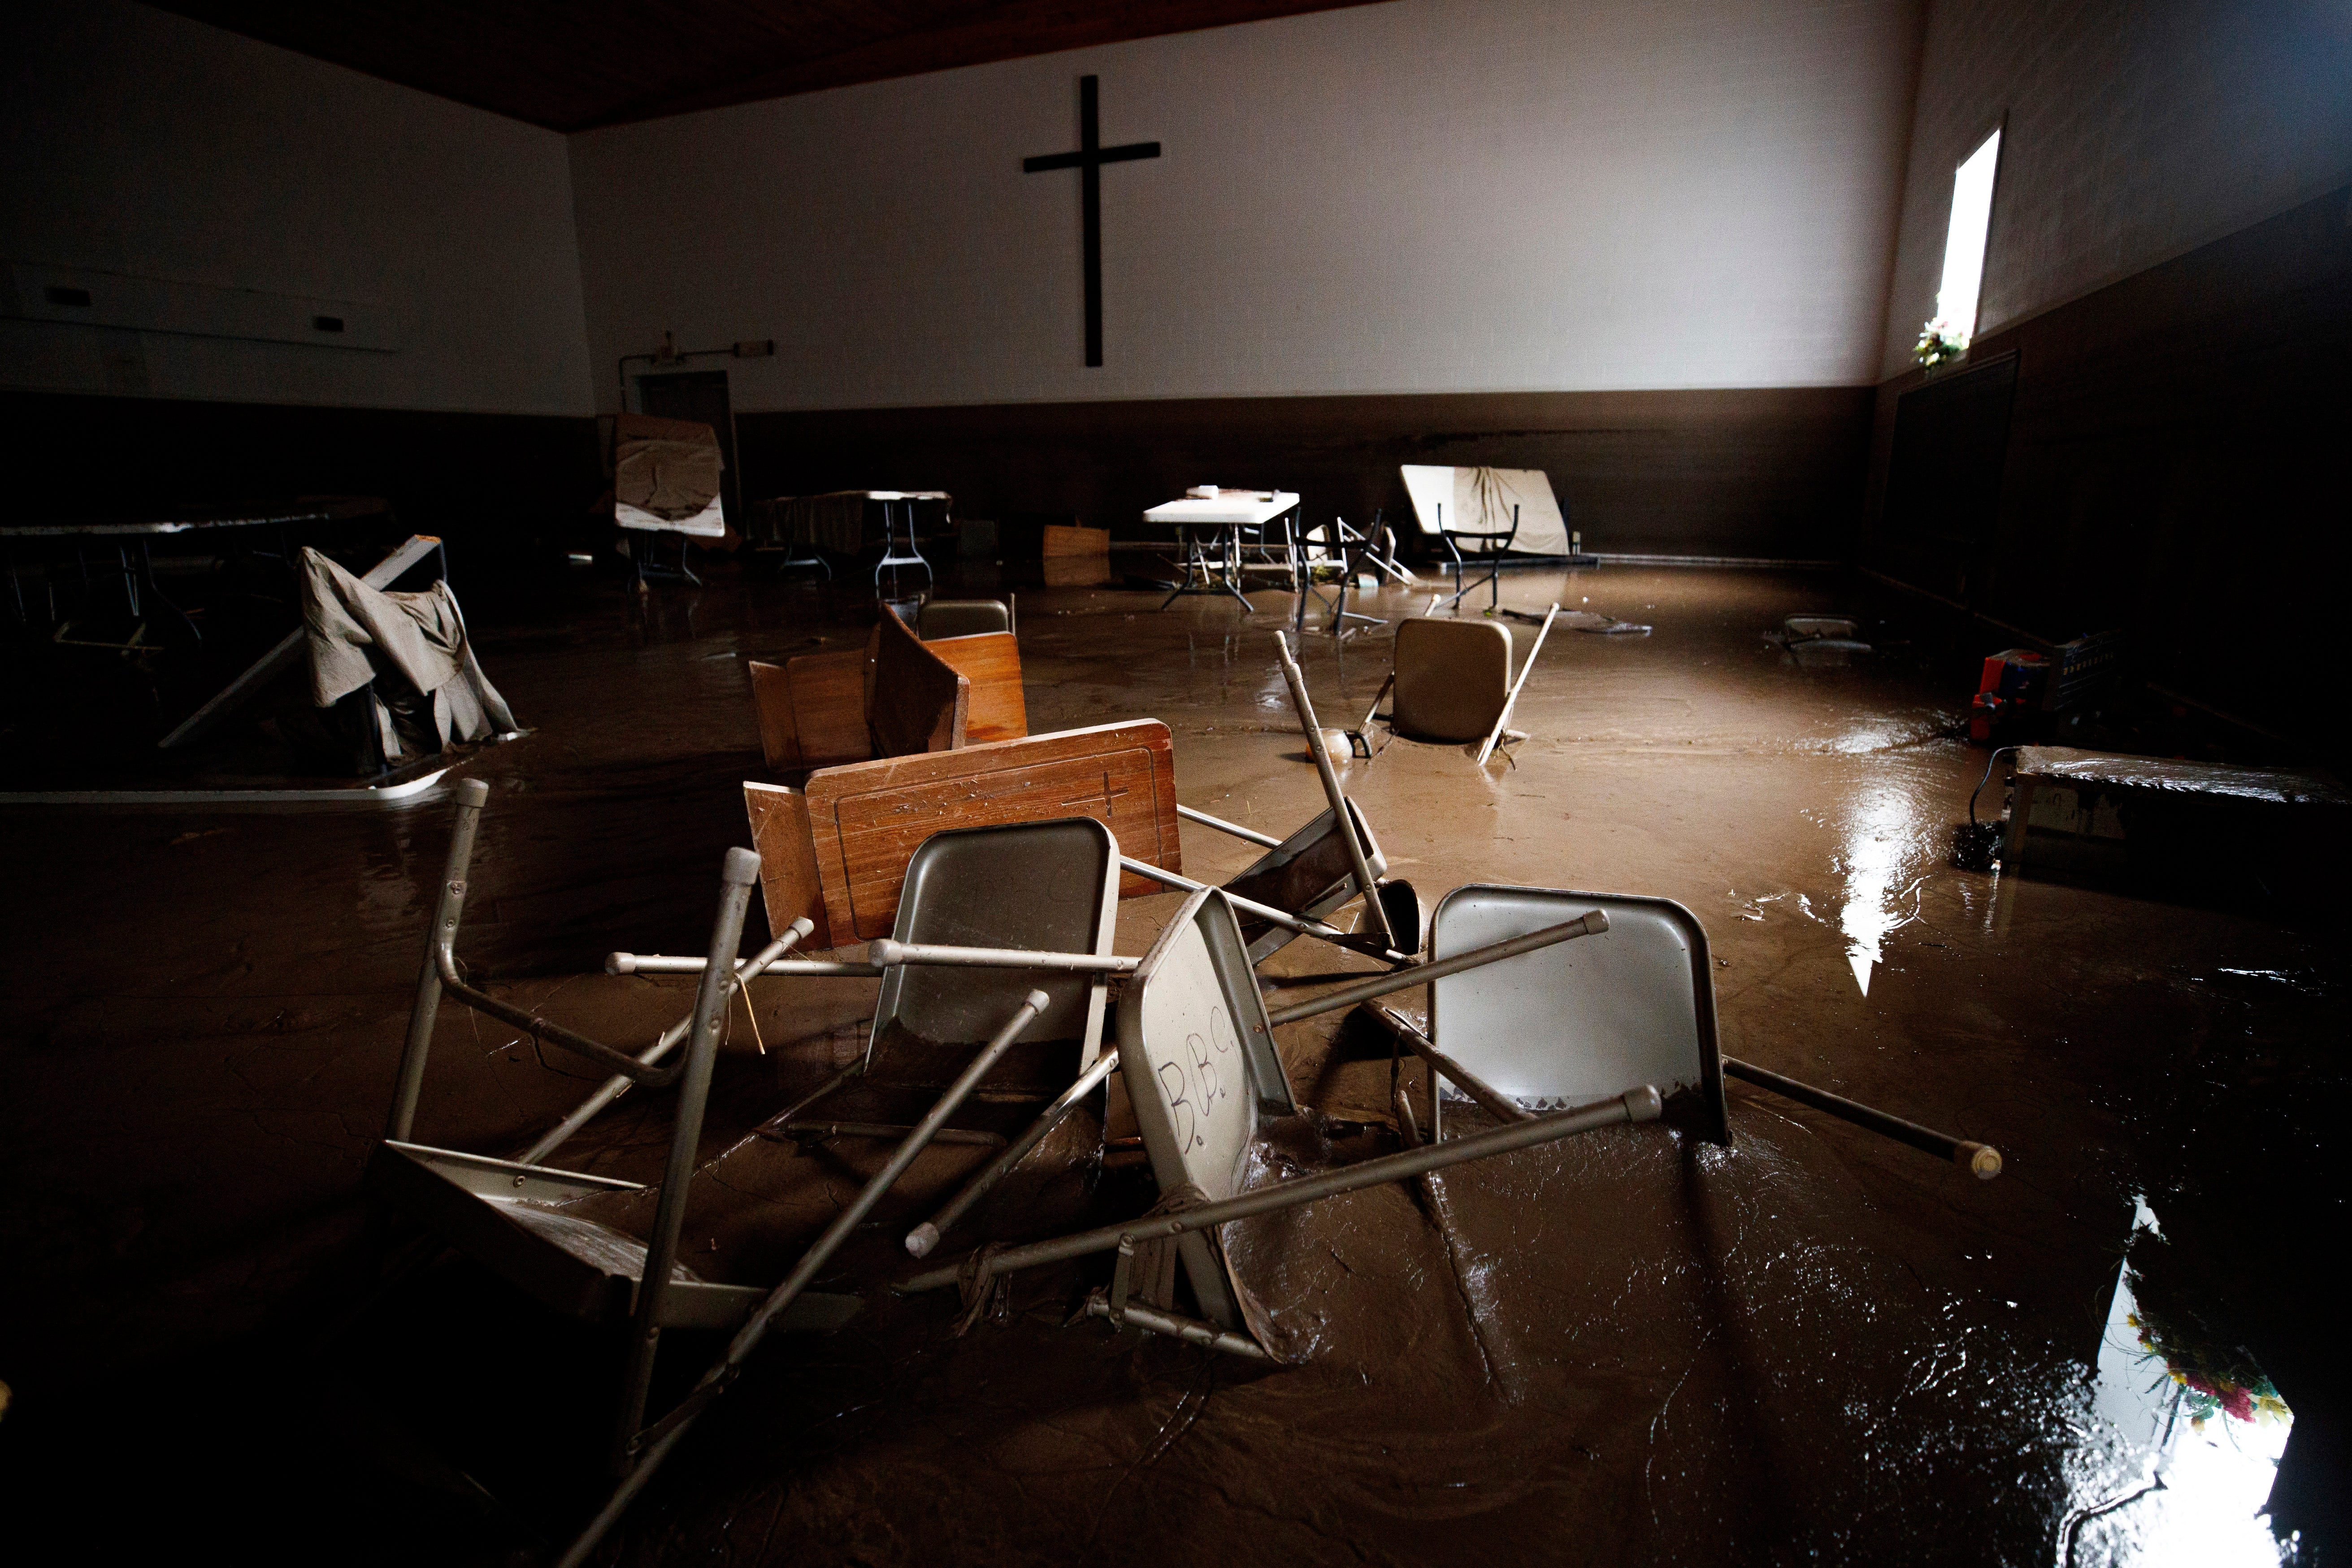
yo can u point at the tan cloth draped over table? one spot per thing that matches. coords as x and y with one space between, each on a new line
429 689
666 467
1479 500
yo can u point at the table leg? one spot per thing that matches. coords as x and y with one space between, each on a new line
1234 565
1189 547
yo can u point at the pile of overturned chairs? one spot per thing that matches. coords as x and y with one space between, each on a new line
1555 1013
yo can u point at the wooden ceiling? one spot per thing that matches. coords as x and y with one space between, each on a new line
571 65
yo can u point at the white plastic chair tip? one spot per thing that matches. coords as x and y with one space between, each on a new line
1642 1103
620 964
742 867
922 1238
1039 1000
1596 922
802 927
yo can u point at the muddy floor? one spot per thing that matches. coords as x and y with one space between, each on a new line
1635 1346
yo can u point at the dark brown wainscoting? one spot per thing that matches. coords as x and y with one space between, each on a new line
1773 472
2175 465
498 484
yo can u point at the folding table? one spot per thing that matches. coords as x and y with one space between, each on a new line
1210 533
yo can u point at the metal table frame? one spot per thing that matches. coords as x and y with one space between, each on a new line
1215 564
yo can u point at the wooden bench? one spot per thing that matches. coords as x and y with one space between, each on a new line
836 851
898 696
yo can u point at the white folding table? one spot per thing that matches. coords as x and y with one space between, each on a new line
1211 535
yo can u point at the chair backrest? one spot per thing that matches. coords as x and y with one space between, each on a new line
1308 873
991 661
812 708
1196 1053
916 700
1580 1021
963 617
1452 678
1049 886
1486 540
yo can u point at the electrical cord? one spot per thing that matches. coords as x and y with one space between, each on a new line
1990 762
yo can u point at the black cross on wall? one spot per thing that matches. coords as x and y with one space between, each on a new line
1088 160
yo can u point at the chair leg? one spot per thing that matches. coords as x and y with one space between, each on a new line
711 1002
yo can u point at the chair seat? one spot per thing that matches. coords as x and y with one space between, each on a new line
1452 679
964 617
1578 1022
513 1220
1308 873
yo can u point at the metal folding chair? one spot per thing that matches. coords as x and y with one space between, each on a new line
1559 1026
1354 551
1452 681
937 1036
1311 874
1487 549
891 560
943 618
1270 547
1197 1057
515 1217
1049 887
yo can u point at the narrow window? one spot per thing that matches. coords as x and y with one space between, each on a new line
1964 241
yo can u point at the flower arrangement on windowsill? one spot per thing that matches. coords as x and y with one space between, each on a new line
1940 343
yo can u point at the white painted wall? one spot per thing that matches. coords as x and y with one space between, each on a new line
2136 130
1429 195
141 143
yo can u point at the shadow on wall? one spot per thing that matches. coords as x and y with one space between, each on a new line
1775 472
502 487
2169 464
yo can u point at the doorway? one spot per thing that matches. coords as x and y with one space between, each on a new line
700 395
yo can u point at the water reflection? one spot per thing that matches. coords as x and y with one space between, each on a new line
1880 842
2193 1432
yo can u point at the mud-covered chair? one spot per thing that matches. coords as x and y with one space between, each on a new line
1564 1025
522 1219
1198 1060
1449 681
1049 887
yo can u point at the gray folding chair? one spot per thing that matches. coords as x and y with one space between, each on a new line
1045 887
515 1216
1452 679
1576 1022
1563 1025
936 1037
1311 873
942 618
1198 1059
1356 553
